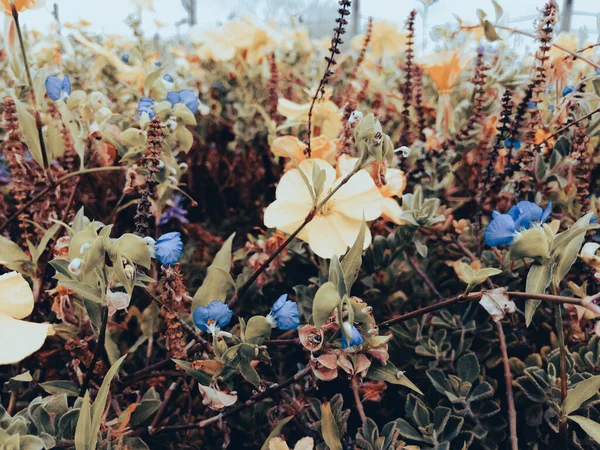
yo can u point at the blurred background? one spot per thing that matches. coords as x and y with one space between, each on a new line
173 18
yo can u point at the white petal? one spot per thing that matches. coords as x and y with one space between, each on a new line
392 211
324 238
590 249
16 297
306 443
292 187
19 339
278 444
358 195
285 216
348 229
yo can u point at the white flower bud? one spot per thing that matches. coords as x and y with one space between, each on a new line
75 266
85 247
356 115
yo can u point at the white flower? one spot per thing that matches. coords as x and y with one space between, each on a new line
336 226
75 265
18 338
216 399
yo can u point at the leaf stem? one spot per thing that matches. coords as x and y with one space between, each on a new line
359 405
510 400
99 349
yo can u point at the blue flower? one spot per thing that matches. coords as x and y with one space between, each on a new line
503 227
551 108
145 106
514 143
567 90
158 64
213 317
168 248
355 340
168 78
125 58
284 314
187 97
175 212
57 88
531 105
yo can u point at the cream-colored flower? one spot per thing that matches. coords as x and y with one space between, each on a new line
326 116
588 254
395 183
216 399
18 338
292 147
386 40
337 224
306 443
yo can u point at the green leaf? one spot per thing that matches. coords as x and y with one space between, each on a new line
60 387
84 290
183 112
101 399
83 432
498 10
589 426
133 248
490 31
326 300
468 367
584 390
55 143
48 235
150 79
249 373
329 428
11 254
533 243
149 405
276 431
390 374
258 328
218 279
202 377
184 137
336 275
353 260
538 279
318 179
30 131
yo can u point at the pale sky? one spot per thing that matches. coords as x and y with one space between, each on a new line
107 16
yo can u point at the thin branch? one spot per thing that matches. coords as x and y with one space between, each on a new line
359 405
512 412
415 264
163 406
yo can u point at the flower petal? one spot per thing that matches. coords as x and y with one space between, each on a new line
324 238
525 213
220 313
288 147
16 295
500 231
286 216
19 339
357 197
349 228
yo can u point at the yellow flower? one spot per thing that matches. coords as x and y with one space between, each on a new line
306 443
18 338
395 183
445 67
292 147
386 40
21 5
337 224
326 116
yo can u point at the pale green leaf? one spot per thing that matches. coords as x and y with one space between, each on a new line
583 391
326 300
353 260
538 279
276 431
589 426
83 431
329 428
30 132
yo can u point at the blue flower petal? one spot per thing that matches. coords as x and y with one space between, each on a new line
125 58
286 313
567 90
525 213
168 78
168 248
145 105
66 85
187 97
546 213
356 338
500 231
220 313
173 98
57 88
200 317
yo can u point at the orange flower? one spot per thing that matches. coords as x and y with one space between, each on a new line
292 147
445 67
21 5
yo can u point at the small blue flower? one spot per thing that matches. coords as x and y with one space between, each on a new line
187 97
503 227
567 90
175 212
213 317
531 105
514 143
551 108
145 106
355 340
168 78
284 314
168 248
57 88
125 58
158 64
594 219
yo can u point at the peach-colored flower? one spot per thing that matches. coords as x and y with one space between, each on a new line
326 116
216 399
20 5
325 366
355 366
336 226
292 147
311 338
386 40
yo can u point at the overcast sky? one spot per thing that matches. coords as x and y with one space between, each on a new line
107 16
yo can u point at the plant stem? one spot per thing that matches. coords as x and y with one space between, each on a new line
99 349
51 186
38 120
512 412
415 264
563 363
310 216
163 406
359 405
